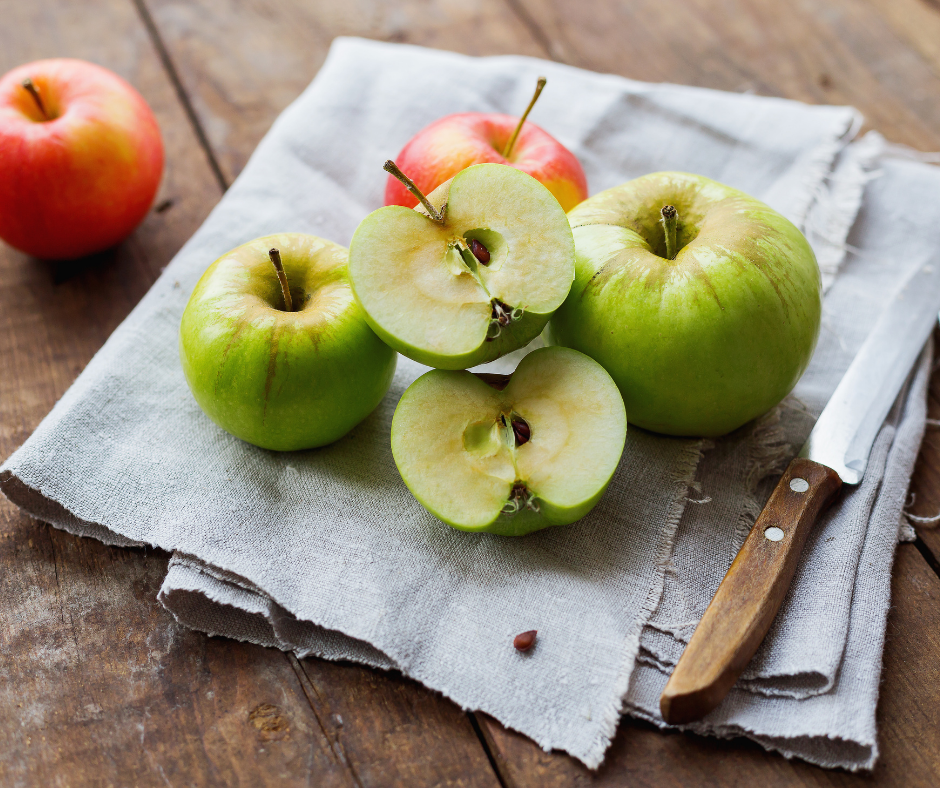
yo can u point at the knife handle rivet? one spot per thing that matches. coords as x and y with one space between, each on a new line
774 534
799 485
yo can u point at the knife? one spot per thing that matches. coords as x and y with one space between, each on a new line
836 453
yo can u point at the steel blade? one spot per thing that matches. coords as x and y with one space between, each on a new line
846 429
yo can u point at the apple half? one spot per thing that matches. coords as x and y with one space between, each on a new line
511 455
478 280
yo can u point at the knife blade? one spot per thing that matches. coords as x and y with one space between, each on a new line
836 453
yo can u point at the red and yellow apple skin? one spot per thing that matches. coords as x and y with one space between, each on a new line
453 143
80 180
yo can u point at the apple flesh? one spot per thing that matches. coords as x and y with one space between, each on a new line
511 456
282 380
703 343
453 143
430 297
80 158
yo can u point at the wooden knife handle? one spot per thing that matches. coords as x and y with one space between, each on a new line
740 613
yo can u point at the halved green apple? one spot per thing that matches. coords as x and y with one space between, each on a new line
511 455
473 278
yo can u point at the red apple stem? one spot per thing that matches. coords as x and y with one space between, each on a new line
670 221
392 168
275 256
512 140
34 92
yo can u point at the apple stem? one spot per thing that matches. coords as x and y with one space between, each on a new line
33 91
392 168
670 220
275 256
512 140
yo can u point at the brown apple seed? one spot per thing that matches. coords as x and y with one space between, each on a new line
521 429
525 641
480 252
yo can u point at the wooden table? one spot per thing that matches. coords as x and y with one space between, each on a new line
98 684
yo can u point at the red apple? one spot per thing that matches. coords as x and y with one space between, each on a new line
80 158
439 151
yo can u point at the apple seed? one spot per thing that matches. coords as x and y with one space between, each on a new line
525 640
480 252
520 429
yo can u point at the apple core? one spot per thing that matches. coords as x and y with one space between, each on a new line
511 454
484 261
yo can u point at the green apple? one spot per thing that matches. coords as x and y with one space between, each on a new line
701 302
473 273
275 348
511 455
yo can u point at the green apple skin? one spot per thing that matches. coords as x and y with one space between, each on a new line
578 424
701 344
531 209
282 380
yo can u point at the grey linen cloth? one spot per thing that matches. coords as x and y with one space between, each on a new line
326 553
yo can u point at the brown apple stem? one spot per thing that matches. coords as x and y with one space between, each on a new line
670 220
512 140
392 168
275 256
33 91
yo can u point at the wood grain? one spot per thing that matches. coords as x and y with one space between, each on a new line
97 683
833 52
749 596
101 687
908 721
238 90
202 711
925 482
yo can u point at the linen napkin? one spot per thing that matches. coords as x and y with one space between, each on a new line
325 552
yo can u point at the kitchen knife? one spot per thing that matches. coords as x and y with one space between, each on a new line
836 453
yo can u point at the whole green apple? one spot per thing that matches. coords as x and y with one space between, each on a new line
283 367
701 302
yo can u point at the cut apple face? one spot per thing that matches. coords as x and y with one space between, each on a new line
473 283
511 455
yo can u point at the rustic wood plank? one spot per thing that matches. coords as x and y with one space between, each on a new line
101 687
917 24
238 89
395 731
925 483
908 721
837 52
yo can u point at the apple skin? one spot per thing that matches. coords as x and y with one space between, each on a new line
498 180
453 143
282 380
82 181
704 343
